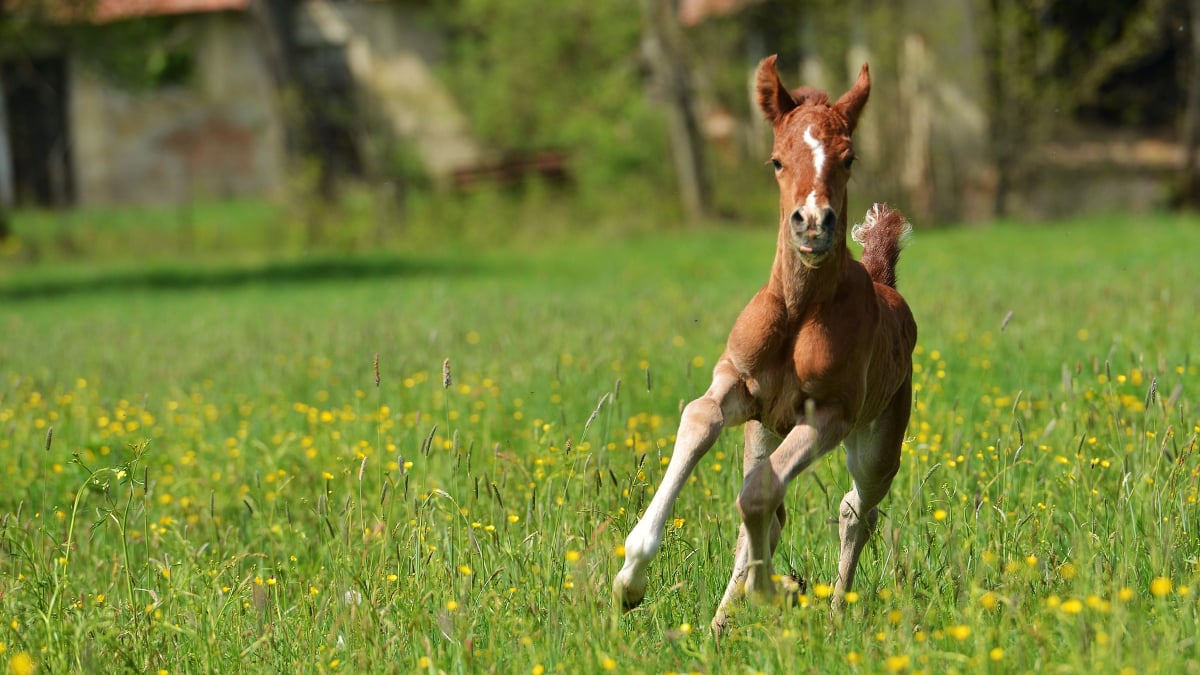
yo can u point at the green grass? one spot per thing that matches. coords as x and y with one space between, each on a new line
228 489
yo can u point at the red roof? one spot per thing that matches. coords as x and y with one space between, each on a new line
113 10
692 12
104 11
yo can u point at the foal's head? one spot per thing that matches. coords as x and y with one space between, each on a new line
812 158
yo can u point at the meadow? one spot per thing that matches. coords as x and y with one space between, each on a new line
427 462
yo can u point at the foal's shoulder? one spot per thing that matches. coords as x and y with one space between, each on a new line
760 330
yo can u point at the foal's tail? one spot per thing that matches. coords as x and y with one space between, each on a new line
883 233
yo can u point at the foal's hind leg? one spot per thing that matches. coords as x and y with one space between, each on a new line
724 404
760 443
873 457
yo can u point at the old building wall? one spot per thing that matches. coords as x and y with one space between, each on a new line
391 52
218 136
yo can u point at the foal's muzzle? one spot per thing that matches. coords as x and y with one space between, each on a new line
813 229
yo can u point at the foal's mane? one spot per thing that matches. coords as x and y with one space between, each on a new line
808 95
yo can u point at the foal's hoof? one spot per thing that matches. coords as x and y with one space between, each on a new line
628 592
719 625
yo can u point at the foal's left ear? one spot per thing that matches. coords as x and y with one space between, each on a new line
851 103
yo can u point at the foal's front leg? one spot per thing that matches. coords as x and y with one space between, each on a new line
765 487
724 404
760 443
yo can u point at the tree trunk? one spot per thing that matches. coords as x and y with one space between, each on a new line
1189 185
671 82
7 198
998 113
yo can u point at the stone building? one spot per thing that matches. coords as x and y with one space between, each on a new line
72 134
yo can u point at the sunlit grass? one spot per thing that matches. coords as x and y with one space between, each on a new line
434 471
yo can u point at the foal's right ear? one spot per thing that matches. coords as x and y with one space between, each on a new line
773 98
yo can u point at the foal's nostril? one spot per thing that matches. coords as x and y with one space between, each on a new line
828 220
797 219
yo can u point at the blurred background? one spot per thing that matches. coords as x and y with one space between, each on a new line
164 127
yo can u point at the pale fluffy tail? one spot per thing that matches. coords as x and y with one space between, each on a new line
883 233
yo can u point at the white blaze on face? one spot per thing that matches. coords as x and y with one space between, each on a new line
818 150
818 153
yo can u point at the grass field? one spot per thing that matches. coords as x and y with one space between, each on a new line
428 462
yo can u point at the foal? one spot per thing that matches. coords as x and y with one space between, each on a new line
822 355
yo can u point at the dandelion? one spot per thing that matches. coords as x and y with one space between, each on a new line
996 654
822 590
1125 594
539 669
850 598
1072 606
960 632
1160 587
989 600
465 570
423 662
573 556
608 663
854 658
451 605
897 663
939 514
21 663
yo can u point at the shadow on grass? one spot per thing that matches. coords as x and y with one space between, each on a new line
60 282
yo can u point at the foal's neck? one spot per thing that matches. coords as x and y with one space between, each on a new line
801 286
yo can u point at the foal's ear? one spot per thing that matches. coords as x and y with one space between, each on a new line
773 98
851 103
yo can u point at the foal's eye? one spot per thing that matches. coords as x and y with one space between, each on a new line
777 164
848 162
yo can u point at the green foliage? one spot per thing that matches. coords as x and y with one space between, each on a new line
278 474
563 75
139 54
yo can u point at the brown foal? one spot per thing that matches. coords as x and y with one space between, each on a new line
821 356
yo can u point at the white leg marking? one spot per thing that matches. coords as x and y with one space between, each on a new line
698 430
